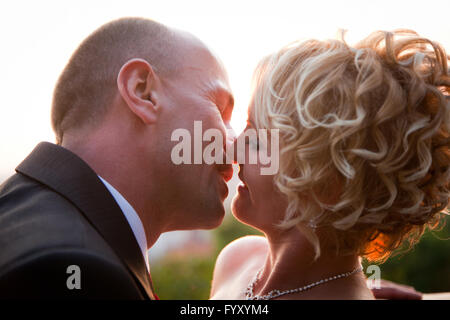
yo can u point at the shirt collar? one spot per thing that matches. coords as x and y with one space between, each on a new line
132 217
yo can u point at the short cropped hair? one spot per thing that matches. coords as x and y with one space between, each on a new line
88 82
364 133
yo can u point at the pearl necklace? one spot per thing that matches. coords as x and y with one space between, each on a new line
276 293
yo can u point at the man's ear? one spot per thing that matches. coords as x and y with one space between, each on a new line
138 85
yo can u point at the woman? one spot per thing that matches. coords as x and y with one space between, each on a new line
363 166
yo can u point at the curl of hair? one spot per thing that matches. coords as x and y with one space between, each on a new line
364 134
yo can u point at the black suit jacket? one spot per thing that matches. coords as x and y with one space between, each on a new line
54 213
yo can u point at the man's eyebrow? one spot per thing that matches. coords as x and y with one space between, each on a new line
222 90
226 105
231 100
230 104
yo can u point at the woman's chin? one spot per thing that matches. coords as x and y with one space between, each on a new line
241 208
238 207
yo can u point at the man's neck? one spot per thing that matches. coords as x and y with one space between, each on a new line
120 169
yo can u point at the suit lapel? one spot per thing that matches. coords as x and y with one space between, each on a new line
68 175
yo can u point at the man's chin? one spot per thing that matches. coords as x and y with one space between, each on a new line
200 219
215 218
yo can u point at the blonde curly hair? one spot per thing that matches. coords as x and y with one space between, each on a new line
364 138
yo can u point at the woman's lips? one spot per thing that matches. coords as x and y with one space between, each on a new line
242 187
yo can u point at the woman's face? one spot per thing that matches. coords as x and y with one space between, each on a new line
258 202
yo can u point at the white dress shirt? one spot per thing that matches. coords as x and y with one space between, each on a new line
133 219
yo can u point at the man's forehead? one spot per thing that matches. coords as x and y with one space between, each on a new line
207 66
193 49
198 57
210 75
201 65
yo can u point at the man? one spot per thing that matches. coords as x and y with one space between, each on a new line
77 218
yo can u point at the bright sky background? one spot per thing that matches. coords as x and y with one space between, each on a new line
38 38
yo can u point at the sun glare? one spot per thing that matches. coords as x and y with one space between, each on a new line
38 41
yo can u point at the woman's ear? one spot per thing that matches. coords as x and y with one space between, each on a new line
138 85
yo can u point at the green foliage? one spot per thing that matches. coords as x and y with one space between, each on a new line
189 277
230 230
426 267
183 277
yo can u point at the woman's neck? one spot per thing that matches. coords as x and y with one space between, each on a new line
290 264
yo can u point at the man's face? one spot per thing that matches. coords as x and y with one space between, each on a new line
194 193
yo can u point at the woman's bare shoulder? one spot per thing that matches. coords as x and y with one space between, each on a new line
236 256
241 248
